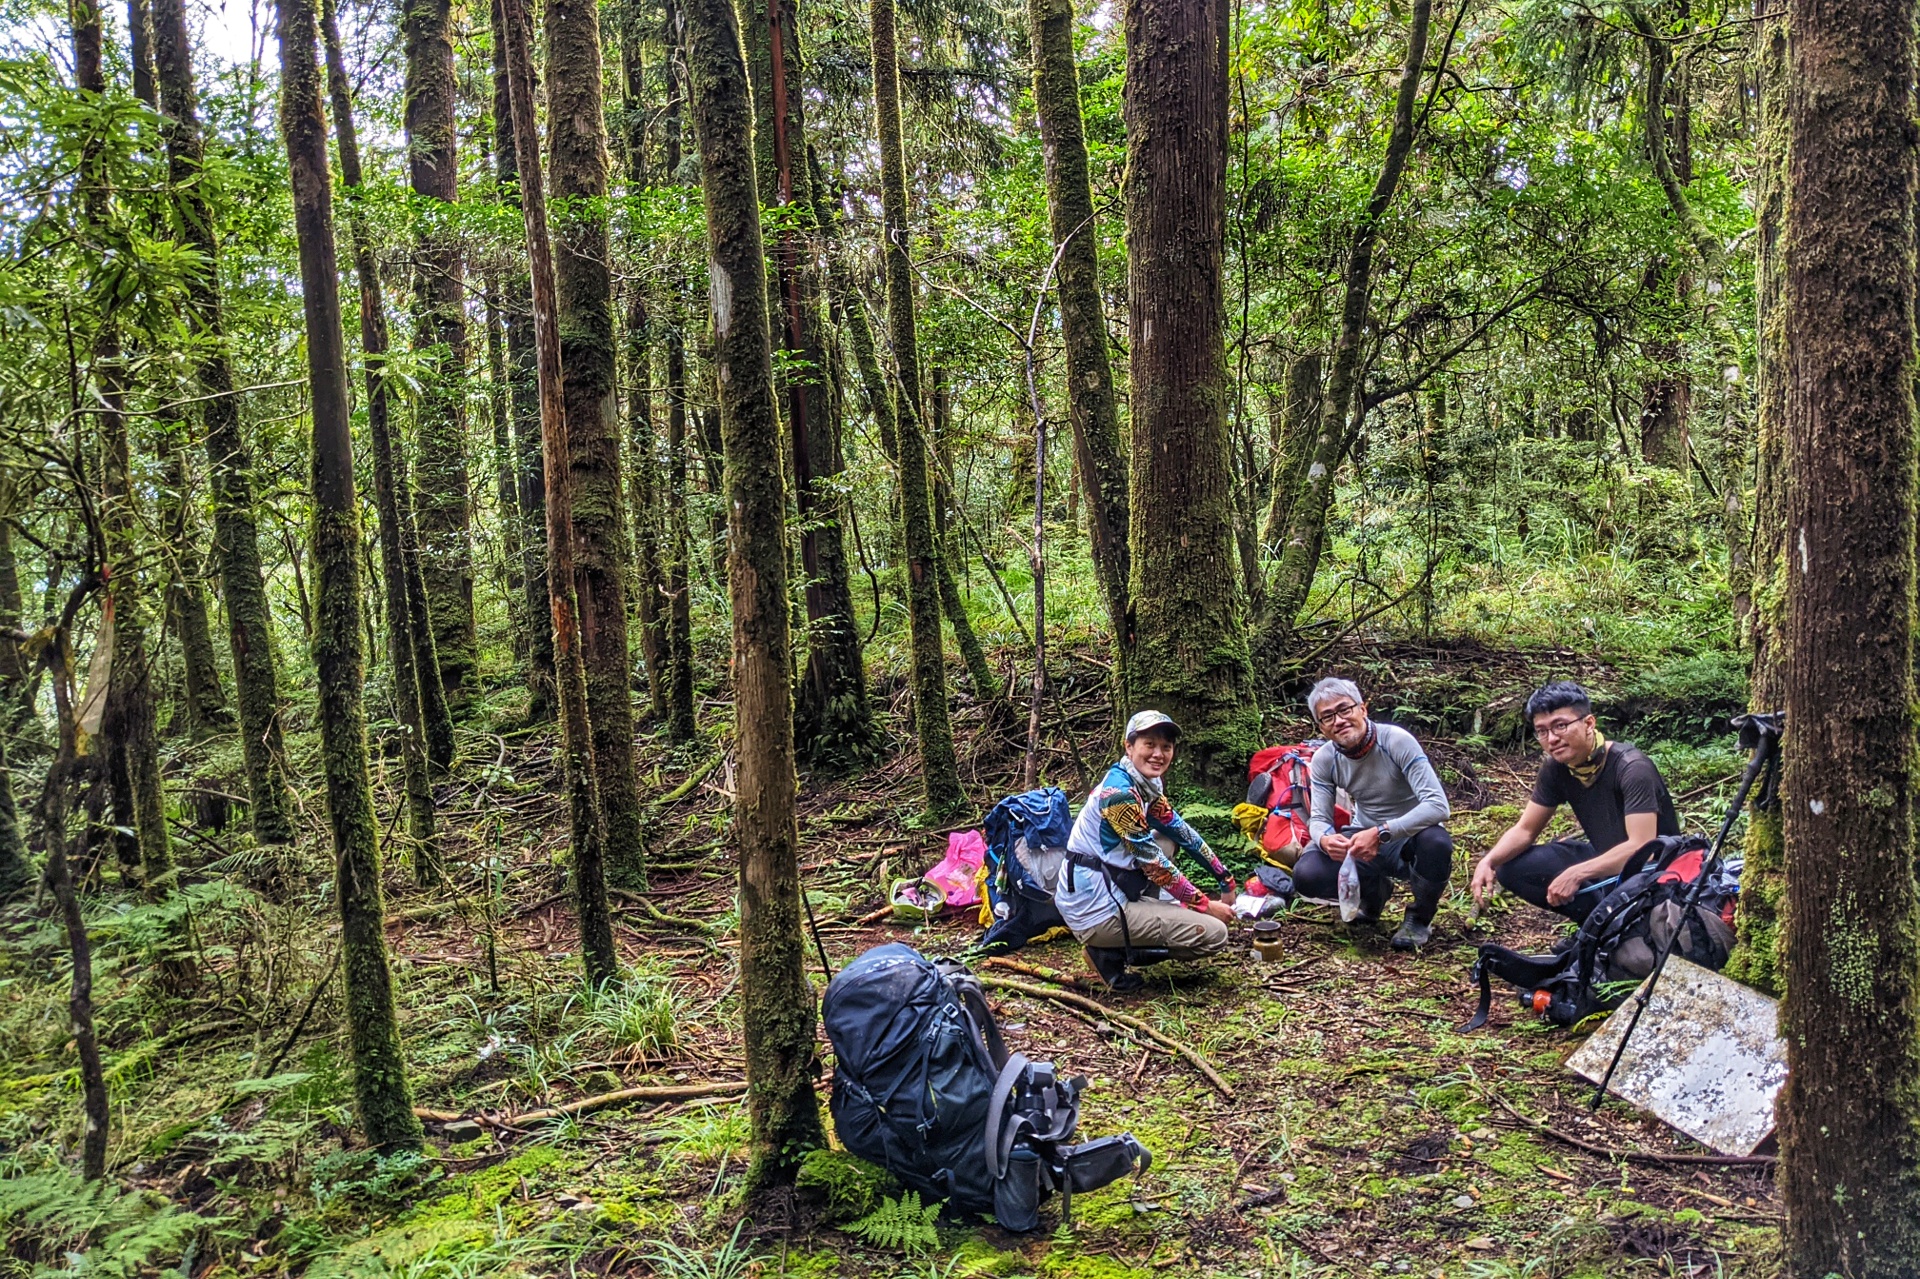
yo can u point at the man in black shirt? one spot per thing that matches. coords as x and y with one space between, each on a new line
1616 793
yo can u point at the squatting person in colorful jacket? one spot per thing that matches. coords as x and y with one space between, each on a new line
1120 892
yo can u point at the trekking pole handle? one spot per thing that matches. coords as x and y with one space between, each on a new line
1767 741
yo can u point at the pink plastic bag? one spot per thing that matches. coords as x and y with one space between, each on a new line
956 872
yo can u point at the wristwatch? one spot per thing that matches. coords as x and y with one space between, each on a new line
1384 833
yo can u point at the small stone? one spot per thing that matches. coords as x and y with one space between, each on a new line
462 1130
1289 1178
1483 1134
1463 1201
1142 1207
1481 1244
1401 1267
601 1081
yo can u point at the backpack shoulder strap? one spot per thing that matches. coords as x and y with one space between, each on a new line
973 1001
1003 1087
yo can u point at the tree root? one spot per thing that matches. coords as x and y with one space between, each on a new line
1198 1062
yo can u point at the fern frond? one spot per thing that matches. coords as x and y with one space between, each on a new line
900 1225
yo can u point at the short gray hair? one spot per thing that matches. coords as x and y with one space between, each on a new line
1330 688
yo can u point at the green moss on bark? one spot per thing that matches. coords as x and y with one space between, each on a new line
381 1093
777 1002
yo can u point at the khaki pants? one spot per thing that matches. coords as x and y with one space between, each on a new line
1155 925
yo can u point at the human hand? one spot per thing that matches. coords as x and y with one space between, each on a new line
1565 885
1483 880
1365 844
1335 845
1220 911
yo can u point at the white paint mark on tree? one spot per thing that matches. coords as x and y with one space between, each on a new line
1806 560
1818 806
722 298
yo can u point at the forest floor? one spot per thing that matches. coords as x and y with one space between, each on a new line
1363 1134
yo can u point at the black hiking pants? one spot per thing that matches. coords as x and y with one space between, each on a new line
1529 875
1424 860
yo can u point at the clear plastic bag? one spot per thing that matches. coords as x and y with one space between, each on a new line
1349 889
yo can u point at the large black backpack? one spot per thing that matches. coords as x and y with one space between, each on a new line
1617 943
923 1085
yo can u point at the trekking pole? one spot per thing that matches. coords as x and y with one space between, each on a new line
1761 734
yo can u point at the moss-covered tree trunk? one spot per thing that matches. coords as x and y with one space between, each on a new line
131 714
530 477
402 624
777 1006
681 725
1757 959
643 443
570 678
381 1094
440 339
1850 1108
1342 402
577 152
1091 404
236 539
939 769
1297 417
203 699
500 417
834 719
1186 631
16 699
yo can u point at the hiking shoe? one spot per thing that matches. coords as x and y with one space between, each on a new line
1412 935
1111 963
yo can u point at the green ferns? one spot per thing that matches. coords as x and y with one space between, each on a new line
900 1225
94 1227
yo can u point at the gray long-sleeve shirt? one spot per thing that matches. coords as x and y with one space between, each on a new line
1393 785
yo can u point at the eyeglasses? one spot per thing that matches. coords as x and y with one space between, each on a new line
1558 728
1336 714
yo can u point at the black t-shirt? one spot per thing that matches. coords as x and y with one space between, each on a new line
1628 783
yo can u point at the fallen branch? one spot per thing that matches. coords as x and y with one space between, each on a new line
654 913
1194 1059
1635 1156
694 778
1028 970
602 1101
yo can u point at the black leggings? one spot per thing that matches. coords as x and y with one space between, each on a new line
1424 860
1529 875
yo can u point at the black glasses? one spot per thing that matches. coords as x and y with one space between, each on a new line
1337 713
1558 728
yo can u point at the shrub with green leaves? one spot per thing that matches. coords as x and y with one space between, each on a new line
93 1227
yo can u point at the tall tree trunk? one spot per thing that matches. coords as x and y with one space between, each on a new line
440 423
1299 414
776 1002
1343 404
205 701
530 477
1850 1108
577 142
388 498
642 442
506 500
833 715
1186 633
1091 403
583 802
16 701
130 702
681 725
379 1066
56 802
236 537
939 768
1757 960
986 688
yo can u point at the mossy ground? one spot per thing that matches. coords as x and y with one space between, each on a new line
1361 1137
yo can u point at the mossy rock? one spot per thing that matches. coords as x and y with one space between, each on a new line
847 1187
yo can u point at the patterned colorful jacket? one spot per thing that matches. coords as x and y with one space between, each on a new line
1119 824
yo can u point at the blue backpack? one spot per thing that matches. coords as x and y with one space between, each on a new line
923 1085
1016 894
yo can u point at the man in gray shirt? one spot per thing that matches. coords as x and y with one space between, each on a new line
1398 806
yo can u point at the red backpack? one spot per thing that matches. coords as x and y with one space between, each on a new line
1277 781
